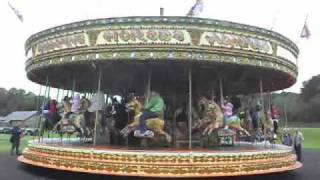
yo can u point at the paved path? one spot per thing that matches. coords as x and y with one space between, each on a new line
11 169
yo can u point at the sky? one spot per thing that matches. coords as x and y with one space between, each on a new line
284 16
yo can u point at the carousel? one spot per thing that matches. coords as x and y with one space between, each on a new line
192 64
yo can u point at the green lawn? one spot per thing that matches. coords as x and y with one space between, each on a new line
5 145
311 136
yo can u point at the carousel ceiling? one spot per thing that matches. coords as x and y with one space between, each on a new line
129 49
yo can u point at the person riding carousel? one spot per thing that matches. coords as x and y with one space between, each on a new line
76 104
153 109
227 108
275 118
66 107
50 113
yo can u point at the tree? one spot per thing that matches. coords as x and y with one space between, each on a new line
311 88
17 100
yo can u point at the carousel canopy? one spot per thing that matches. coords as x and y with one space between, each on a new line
129 49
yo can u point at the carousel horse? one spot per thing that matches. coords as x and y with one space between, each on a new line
211 118
153 124
235 123
81 122
119 117
181 116
70 125
48 124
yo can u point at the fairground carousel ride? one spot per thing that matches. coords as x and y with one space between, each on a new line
181 58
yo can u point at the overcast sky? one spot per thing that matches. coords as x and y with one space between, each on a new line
286 15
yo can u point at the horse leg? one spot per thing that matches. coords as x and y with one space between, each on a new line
127 130
208 130
197 126
162 132
243 130
239 128
130 127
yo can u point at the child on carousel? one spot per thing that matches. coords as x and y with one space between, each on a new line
227 108
275 117
153 109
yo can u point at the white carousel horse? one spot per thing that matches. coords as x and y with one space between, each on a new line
81 122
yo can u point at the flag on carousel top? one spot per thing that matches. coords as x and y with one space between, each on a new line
305 32
196 9
16 12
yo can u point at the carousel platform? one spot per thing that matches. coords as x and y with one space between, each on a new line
240 160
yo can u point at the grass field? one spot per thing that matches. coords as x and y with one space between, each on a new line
5 145
311 136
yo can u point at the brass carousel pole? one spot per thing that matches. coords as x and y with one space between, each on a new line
270 98
148 89
43 103
58 95
62 93
48 95
148 85
263 108
97 111
221 90
261 94
73 85
190 108
67 94
285 110
221 96
38 107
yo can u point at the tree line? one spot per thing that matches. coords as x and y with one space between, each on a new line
17 100
303 107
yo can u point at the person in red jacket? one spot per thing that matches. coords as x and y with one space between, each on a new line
53 108
274 117
54 116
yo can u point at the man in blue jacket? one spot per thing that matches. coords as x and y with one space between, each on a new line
16 134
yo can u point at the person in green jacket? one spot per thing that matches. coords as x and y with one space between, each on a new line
153 109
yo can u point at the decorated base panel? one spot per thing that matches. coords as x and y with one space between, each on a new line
242 159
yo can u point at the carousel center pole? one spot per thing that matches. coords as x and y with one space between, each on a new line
190 108
97 111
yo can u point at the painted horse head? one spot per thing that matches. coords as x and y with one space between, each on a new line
134 105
